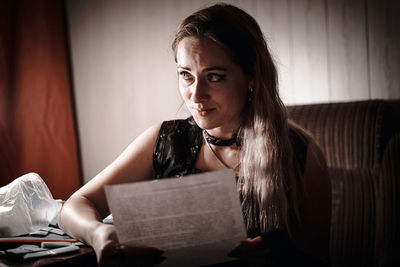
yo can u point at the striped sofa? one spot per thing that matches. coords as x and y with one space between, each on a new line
361 142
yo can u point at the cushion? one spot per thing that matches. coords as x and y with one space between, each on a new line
352 135
388 198
353 217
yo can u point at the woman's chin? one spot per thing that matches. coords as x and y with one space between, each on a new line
204 123
208 123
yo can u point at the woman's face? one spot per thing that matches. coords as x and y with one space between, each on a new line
213 86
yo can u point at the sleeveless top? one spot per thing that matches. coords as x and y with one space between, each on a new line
175 154
178 145
179 142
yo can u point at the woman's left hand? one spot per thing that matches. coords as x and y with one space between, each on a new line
251 252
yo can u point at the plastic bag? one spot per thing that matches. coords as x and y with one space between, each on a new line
26 205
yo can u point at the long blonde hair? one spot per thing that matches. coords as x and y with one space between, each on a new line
270 188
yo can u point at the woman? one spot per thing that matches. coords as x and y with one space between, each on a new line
228 81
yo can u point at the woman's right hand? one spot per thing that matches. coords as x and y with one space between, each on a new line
252 252
110 253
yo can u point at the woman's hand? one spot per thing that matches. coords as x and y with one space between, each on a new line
251 252
110 253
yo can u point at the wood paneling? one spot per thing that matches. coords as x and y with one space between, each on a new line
347 50
273 18
309 51
384 48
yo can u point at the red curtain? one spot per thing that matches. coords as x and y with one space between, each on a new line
37 126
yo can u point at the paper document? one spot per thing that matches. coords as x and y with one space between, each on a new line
196 219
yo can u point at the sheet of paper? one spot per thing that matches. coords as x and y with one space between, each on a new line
196 219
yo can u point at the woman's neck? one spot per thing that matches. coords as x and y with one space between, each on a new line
222 133
220 141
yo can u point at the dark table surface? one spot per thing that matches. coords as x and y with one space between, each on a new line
85 257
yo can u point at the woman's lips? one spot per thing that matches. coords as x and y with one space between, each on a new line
204 111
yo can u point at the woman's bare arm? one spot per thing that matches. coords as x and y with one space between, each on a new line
83 212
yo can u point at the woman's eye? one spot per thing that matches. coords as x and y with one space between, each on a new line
185 75
212 77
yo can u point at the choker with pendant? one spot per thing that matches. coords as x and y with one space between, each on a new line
222 142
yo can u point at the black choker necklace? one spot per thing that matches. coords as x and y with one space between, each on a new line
222 142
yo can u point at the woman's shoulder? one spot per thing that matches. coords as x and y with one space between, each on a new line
181 132
178 126
299 135
303 140
300 141
176 148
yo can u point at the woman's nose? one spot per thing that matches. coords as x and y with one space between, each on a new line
199 91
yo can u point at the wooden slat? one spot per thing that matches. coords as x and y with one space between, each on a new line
347 48
273 18
384 48
309 46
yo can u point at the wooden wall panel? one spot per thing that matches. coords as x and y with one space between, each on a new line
347 50
273 18
124 73
384 48
309 51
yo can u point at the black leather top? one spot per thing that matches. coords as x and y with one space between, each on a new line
179 143
176 149
175 155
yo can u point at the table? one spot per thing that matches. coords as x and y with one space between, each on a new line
85 257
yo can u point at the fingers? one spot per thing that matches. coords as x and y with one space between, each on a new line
142 256
257 240
249 246
109 255
251 252
121 255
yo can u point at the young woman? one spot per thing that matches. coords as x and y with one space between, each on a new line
228 81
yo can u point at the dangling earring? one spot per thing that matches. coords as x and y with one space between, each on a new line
249 95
